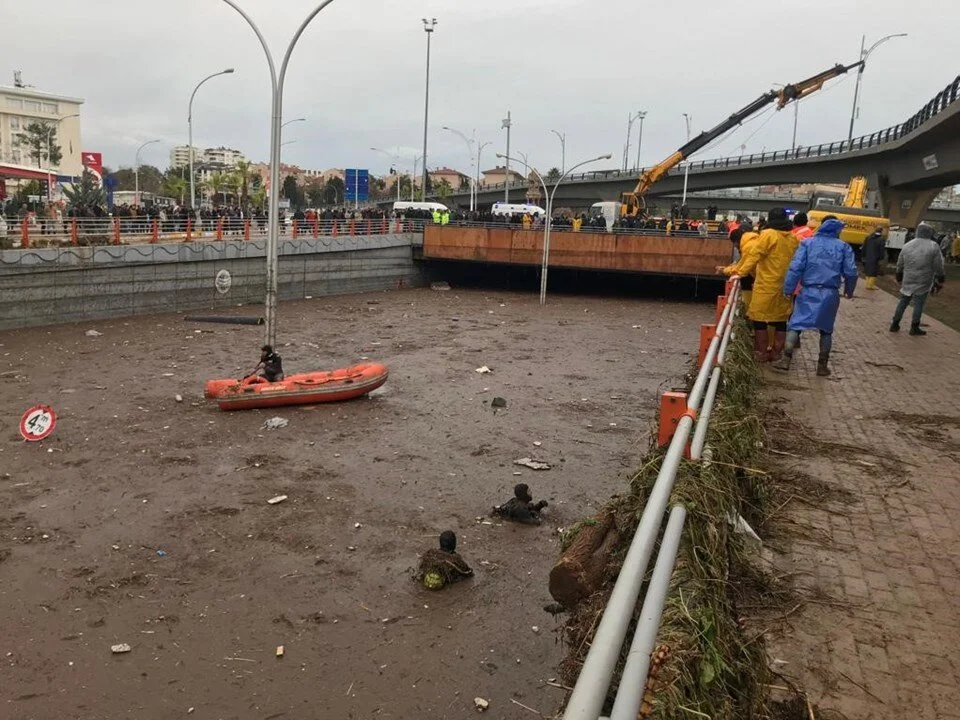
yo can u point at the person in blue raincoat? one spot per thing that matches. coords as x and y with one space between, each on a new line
820 265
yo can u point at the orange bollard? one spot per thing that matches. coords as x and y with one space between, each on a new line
25 234
154 231
116 231
220 228
721 305
728 288
316 228
353 228
369 227
334 229
383 227
74 235
673 406
296 230
246 229
189 229
707 333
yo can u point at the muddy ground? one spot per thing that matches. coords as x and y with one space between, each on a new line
145 521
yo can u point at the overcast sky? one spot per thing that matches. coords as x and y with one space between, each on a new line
577 66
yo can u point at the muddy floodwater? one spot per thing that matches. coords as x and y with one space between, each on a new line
144 521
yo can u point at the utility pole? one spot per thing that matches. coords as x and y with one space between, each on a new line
686 171
642 114
428 27
506 175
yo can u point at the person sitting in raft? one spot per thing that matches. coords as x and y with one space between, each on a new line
439 568
270 363
520 508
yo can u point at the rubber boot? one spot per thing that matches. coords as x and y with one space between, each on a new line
823 370
916 330
779 342
783 364
760 345
894 327
871 283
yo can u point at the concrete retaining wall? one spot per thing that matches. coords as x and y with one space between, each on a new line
55 285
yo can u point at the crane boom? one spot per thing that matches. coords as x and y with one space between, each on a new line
633 203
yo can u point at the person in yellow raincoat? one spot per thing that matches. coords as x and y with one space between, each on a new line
768 259
744 238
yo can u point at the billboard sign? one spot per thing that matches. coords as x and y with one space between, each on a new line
357 186
93 161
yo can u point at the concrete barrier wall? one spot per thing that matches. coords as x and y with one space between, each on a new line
55 285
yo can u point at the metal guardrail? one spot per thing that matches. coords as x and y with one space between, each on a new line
590 691
29 232
938 104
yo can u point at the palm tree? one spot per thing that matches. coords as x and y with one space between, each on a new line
242 175
175 186
215 184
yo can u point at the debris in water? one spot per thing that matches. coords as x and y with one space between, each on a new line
276 500
93 333
483 370
498 402
275 423
178 398
279 650
532 464
481 704
119 649
440 286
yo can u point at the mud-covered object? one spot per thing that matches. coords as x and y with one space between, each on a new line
439 569
521 511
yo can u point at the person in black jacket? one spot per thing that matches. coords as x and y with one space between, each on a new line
271 364
520 508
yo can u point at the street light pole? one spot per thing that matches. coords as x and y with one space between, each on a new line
394 158
416 160
273 227
480 148
548 222
469 144
136 172
428 27
563 150
49 148
686 171
506 124
193 193
642 114
626 150
863 65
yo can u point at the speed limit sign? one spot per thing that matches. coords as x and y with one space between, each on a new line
37 423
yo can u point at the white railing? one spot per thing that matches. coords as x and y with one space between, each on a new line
592 686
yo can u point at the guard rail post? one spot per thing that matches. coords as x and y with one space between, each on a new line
369 225
246 229
74 235
296 228
189 229
383 226
334 231
116 231
219 231
316 227
24 233
353 227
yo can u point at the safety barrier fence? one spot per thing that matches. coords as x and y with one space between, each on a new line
27 233
680 415
554 228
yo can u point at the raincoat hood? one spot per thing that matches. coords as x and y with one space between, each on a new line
831 228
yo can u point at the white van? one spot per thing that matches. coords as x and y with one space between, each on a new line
402 206
609 211
501 208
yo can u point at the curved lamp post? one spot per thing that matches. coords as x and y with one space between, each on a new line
476 186
136 172
562 137
863 57
395 159
469 143
193 193
273 218
548 222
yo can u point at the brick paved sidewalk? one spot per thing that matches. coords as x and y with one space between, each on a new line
881 554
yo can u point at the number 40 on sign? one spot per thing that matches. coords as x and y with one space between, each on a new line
37 423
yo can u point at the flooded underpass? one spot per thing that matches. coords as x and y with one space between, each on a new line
144 521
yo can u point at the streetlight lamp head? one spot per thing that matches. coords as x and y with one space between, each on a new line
228 71
500 155
605 157
642 114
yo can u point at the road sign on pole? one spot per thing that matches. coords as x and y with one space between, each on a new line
37 423
357 186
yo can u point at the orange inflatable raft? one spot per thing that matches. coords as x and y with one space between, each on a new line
307 389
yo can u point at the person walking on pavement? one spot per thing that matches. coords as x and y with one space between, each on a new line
819 266
919 269
874 250
768 258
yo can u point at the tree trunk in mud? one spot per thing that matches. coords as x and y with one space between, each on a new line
582 568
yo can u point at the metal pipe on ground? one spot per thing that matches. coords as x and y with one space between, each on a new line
633 680
590 691
226 319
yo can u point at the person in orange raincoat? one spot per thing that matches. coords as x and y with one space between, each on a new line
768 259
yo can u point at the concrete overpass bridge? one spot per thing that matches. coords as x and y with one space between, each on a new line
908 164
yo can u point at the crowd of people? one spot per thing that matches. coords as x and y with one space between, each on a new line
792 279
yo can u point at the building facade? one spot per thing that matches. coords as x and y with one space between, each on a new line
227 157
21 106
498 176
180 156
